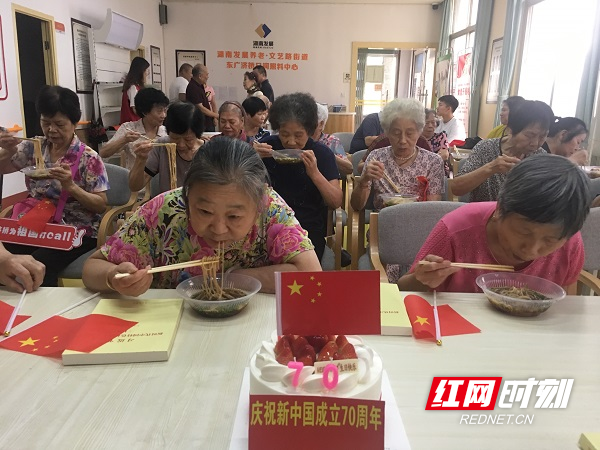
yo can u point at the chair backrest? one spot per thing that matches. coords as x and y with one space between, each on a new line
590 234
345 138
595 187
118 179
402 229
356 159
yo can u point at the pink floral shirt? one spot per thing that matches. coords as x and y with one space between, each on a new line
159 233
426 164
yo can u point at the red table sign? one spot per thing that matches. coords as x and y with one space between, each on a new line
60 237
317 423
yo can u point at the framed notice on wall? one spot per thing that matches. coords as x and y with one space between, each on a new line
191 57
82 33
156 67
3 86
495 61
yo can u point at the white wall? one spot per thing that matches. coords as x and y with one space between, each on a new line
92 12
325 32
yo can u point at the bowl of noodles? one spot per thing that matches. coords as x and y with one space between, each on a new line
209 301
398 199
287 156
518 294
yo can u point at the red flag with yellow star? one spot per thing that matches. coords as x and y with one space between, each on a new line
53 336
36 218
420 313
314 303
6 311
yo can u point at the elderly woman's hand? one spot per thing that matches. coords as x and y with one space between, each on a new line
503 164
62 174
142 149
132 136
434 271
8 141
135 284
444 153
373 170
263 150
310 163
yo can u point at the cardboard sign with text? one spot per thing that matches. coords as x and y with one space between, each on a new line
60 237
312 422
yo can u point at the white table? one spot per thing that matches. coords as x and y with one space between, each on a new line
190 400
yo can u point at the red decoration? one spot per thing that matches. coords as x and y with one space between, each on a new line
420 313
316 303
5 312
55 335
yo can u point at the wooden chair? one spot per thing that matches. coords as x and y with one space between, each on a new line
398 232
332 257
590 234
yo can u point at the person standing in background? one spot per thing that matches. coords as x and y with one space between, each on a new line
134 81
265 86
454 128
196 94
180 84
212 99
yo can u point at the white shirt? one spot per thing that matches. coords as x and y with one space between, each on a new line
454 128
128 148
178 86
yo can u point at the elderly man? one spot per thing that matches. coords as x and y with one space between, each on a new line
180 84
265 86
196 94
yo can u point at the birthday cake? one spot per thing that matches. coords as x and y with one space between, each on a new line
358 369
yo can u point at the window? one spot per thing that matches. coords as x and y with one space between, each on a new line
462 38
558 36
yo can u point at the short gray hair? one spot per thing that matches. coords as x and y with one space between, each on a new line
223 161
429 111
322 113
547 189
403 108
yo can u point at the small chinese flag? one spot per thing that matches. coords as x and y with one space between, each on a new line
53 336
422 187
6 311
37 217
420 313
312 303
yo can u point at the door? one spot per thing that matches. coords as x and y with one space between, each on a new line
36 64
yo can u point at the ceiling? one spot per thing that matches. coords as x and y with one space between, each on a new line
397 2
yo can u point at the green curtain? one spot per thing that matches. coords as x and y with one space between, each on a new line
478 59
512 30
589 77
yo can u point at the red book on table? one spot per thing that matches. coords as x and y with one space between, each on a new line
342 302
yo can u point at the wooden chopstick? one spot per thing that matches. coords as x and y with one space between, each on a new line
139 134
495 267
183 265
392 184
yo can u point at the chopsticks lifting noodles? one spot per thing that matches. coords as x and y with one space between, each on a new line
438 333
184 265
392 184
14 314
491 267
172 152
37 154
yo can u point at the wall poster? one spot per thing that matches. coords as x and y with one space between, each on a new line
82 33
495 61
191 57
156 67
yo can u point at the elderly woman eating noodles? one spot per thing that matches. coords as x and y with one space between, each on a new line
410 168
483 173
224 202
534 227
75 182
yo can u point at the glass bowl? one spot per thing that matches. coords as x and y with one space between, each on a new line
189 288
398 199
38 173
592 171
519 306
287 156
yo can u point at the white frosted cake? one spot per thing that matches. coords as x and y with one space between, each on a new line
360 368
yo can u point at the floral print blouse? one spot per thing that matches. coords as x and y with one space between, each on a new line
91 177
437 142
159 233
334 144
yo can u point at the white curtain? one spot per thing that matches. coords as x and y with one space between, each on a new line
589 77
512 31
